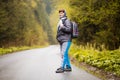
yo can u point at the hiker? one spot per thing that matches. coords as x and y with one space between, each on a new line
64 38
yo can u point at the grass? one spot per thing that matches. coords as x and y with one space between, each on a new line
105 59
4 51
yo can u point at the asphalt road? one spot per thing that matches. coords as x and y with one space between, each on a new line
38 64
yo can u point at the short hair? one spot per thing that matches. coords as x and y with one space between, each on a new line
62 10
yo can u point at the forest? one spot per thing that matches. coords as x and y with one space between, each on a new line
98 20
34 23
24 23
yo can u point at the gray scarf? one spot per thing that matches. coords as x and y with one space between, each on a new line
61 21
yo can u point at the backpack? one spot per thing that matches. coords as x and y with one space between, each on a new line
75 31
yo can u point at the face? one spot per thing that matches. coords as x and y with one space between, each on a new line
61 14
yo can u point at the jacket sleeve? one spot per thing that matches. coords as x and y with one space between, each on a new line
67 27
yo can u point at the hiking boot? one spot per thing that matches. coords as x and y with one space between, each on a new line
68 69
60 70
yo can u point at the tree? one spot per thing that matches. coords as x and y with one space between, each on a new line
24 22
98 21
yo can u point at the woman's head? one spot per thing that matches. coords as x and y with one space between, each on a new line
62 13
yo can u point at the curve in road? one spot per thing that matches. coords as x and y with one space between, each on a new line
38 64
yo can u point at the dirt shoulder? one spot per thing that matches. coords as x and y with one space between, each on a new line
95 71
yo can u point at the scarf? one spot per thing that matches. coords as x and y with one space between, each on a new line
61 22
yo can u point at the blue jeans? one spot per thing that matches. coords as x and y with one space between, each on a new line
64 47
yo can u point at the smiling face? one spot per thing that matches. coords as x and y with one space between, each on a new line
61 14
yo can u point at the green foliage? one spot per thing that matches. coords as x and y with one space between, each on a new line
105 59
24 23
14 49
98 21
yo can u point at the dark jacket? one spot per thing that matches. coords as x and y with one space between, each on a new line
64 33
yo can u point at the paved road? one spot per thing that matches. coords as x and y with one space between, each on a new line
38 64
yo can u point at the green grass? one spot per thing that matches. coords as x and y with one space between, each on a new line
4 51
105 59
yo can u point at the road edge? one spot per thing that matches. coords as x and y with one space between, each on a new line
100 73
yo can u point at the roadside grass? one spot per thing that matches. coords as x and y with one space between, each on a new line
104 59
4 51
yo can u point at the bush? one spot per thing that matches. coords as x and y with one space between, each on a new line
105 59
13 49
